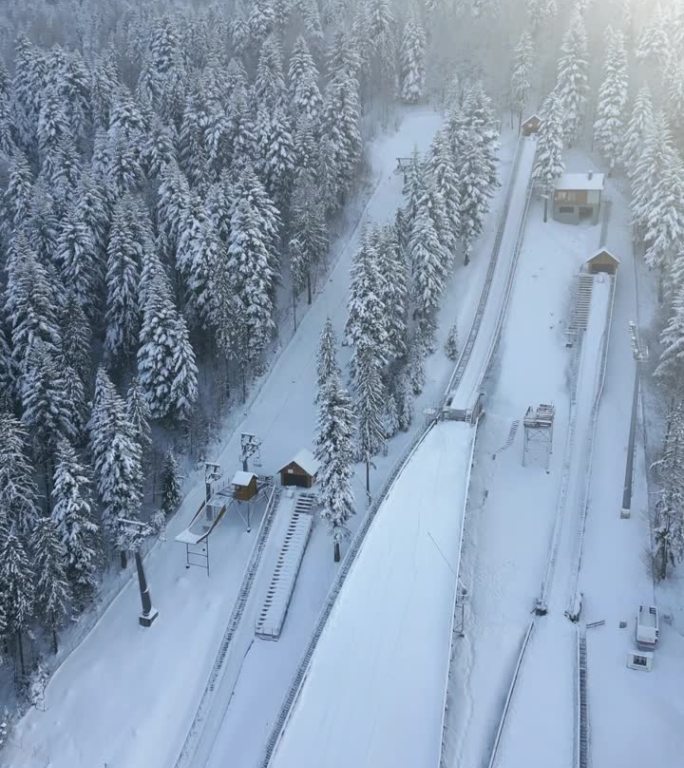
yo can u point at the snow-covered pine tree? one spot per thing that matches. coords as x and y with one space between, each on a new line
445 180
539 12
46 413
653 41
382 41
52 592
116 460
427 264
166 361
334 446
412 56
404 398
390 416
269 83
18 493
138 415
668 531
326 359
549 164
521 73
16 584
16 200
394 289
309 243
369 398
173 201
612 99
664 217
366 321
252 276
197 255
341 115
304 93
572 83
170 484
275 147
655 154
124 252
30 302
451 348
72 514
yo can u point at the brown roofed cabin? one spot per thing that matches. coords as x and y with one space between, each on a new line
301 471
531 125
602 261
244 486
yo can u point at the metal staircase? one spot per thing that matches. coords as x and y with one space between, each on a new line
511 437
583 725
281 586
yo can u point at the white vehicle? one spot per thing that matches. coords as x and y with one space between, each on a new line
647 630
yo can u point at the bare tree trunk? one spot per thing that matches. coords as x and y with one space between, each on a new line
336 556
54 641
20 645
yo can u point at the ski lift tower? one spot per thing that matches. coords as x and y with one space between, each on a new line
250 446
538 442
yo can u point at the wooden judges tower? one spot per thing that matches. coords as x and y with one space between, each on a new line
538 442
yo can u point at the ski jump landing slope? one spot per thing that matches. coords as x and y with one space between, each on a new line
373 694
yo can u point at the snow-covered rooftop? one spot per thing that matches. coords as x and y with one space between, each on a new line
573 181
243 478
307 461
602 252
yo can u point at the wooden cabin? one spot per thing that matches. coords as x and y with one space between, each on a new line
531 126
244 486
602 261
577 197
301 471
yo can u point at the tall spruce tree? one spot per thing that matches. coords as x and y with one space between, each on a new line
334 444
612 99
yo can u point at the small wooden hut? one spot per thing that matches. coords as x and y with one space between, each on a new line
531 126
244 485
301 471
602 261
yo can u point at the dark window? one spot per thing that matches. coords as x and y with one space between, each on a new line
640 660
566 209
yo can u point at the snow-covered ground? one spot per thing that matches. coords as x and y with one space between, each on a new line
632 716
127 695
389 636
371 697
512 508
540 723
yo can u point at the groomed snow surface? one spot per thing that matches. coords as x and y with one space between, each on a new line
634 718
379 669
372 693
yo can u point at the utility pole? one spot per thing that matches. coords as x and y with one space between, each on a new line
640 353
140 530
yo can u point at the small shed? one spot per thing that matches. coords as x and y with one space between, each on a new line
301 471
244 485
577 197
602 261
531 126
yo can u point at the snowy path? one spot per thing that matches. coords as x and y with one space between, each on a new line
386 645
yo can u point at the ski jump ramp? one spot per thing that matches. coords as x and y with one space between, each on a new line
373 691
